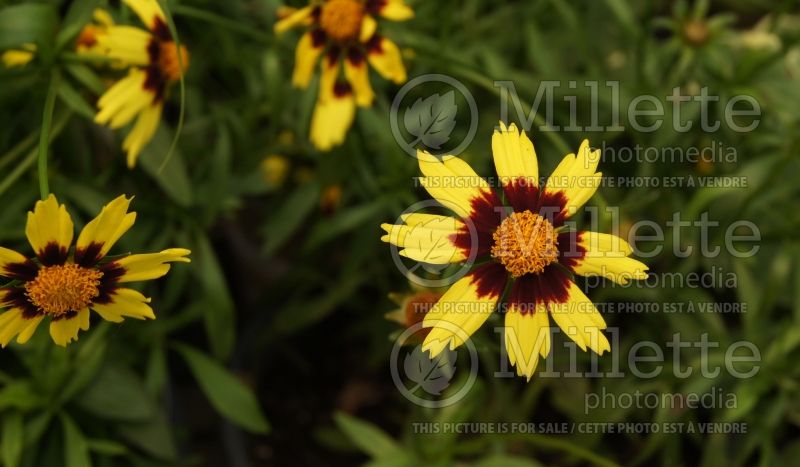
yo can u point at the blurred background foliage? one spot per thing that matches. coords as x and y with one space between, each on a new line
280 316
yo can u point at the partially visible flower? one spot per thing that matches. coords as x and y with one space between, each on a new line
19 57
63 284
525 249
87 41
344 33
413 307
330 199
275 168
155 62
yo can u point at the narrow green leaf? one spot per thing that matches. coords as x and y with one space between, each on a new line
218 309
227 394
74 100
117 394
79 13
76 449
27 23
11 439
367 437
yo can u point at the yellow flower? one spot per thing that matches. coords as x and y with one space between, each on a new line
64 285
344 34
19 57
87 41
274 168
155 62
529 247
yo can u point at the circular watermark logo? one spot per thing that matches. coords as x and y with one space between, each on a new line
429 121
438 271
424 380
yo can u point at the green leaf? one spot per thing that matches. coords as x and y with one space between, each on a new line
27 23
153 437
19 395
287 219
227 394
369 438
502 460
218 309
76 449
345 221
173 178
107 447
11 439
117 394
74 100
79 13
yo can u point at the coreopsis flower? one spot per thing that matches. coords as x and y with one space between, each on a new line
344 33
412 308
18 57
63 284
519 241
155 62
87 41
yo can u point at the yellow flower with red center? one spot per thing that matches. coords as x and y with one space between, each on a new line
63 284
344 33
521 240
155 62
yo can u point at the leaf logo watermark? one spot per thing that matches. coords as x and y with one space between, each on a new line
432 375
429 382
432 120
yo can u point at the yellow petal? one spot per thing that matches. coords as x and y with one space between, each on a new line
580 320
151 265
514 156
12 323
332 117
607 256
396 10
127 44
429 241
125 303
49 224
451 181
123 101
298 18
99 235
8 258
384 56
527 336
142 132
465 306
19 57
357 74
576 178
305 58
65 330
368 28
147 10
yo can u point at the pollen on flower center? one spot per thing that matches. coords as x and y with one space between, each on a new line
59 289
168 60
341 19
525 243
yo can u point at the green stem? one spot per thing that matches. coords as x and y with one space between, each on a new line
44 136
182 111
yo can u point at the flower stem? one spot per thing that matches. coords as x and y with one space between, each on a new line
44 136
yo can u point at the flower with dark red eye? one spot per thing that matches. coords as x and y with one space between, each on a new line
523 249
154 61
344 34
63 284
